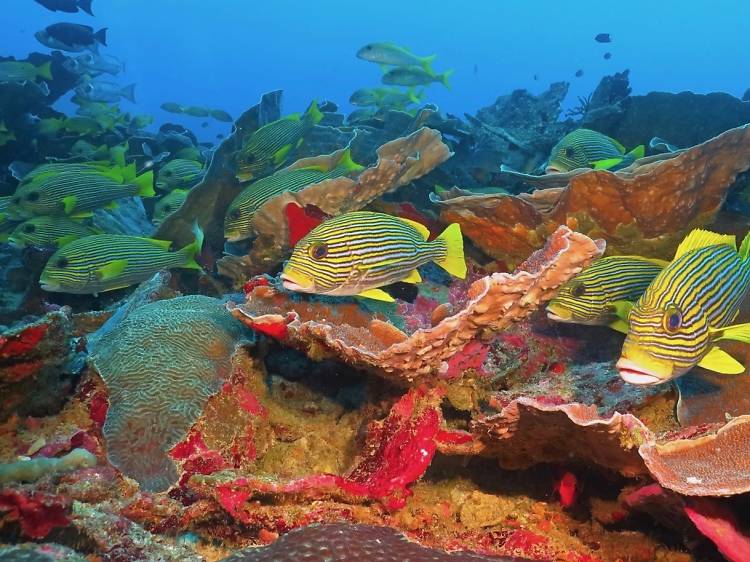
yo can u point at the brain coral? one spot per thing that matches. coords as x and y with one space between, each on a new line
160 364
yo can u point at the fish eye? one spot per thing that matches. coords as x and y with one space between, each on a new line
167 172
672 319
570 152
29 228
318 251
32 196
368 47
62 263
88 88
234 214
88 58
578 290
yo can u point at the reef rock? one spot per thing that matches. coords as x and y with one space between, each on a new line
161 363
644 209
494 303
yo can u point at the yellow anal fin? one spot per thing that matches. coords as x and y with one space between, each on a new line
413 277
719 361
619 325
606 164
377 294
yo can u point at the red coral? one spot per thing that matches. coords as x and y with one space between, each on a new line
719 524
259 281
36 512
472 356
22 343
197 456
80 439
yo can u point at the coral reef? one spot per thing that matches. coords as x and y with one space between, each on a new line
644 209
33 469
494 303
160 363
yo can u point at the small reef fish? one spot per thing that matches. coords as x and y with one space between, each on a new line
71 37
52 126
584 148
67 189
48 231
238 223
221 115
6 221
607 55
383 97
268 147
101 91
91 63
686 309
592 296
579 73
19 71
603 38
68 6
171 107
358 252
414 76
179 173
195 111
168 205
105 262
394 55
361 114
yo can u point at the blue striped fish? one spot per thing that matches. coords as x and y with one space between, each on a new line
48 231
584 148
593 296
104 262
267 148
7 221
686 309
238 223
168 205
357 253
179 173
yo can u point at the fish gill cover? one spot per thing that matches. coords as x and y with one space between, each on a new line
472 286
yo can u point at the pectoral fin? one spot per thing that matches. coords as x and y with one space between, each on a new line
63 240
719 361
622 309
281 154
111 269
69 203
377 294
738 332
413 277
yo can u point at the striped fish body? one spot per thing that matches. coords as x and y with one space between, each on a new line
583 148
238 223
79 188
179 174
590 297
168 205
104 262
48 231
268 148
7 222
674 325
358 252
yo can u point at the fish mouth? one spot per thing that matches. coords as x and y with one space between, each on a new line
552 170
633 373
294 283
556 314
50 287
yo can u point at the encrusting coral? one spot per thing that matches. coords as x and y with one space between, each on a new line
644 209
494 302
32 469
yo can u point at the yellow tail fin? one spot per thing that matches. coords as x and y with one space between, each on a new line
454 262
193 249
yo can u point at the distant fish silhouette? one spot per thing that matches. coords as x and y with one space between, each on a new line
607 55
579 73
476 69
603 38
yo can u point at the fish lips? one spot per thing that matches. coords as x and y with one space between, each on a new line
633 373
293 283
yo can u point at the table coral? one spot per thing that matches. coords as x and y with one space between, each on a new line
494 303
644 209
160 364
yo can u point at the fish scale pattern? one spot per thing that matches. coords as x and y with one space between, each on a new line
161 363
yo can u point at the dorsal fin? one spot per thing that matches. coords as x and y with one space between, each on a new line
700 238
165 244
745 247
422 229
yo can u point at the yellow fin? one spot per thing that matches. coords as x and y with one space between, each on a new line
281 154
377 294
745 247
656 261
164 244
69 203
700 238
619 325
422 229
638 152
63 240
619 145
606 164
738 332
622 310
111 269
413 277
454 262
719 361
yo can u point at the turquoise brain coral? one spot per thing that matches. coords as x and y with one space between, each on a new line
161 363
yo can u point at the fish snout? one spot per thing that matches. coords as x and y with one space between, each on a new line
558 313
635 373
293 280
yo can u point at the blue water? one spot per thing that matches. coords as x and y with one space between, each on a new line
225 53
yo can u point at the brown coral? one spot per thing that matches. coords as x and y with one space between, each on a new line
494 303
645 208
399 162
